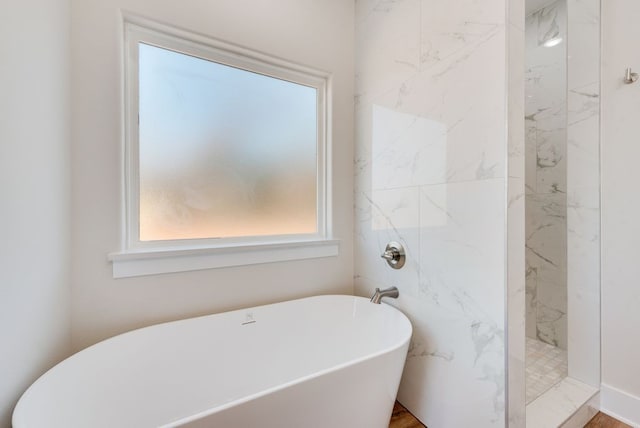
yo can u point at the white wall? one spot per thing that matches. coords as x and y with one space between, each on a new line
311 32
620 212
34 190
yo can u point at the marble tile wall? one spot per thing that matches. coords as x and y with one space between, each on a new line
516 285
583 190
545 174
431 156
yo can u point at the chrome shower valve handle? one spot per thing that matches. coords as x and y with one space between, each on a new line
394 255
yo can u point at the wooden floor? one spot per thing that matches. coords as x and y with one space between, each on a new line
401 418
603 421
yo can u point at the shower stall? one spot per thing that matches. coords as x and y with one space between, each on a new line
562 209
493 226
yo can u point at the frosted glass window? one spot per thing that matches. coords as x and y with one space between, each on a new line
223 152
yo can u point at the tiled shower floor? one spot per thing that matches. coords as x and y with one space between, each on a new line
546 365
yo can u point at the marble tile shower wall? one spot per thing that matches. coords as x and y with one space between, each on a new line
430 173
515 227
583 190
546 175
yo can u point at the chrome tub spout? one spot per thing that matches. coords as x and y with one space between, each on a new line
387 292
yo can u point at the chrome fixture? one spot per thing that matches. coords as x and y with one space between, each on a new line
394 255
630 77
387 292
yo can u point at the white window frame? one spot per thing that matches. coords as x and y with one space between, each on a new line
145 258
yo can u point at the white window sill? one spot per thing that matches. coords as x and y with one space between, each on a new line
151 262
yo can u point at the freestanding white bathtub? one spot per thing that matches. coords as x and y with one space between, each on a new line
325 361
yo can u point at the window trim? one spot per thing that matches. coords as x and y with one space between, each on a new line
136 30
140 263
